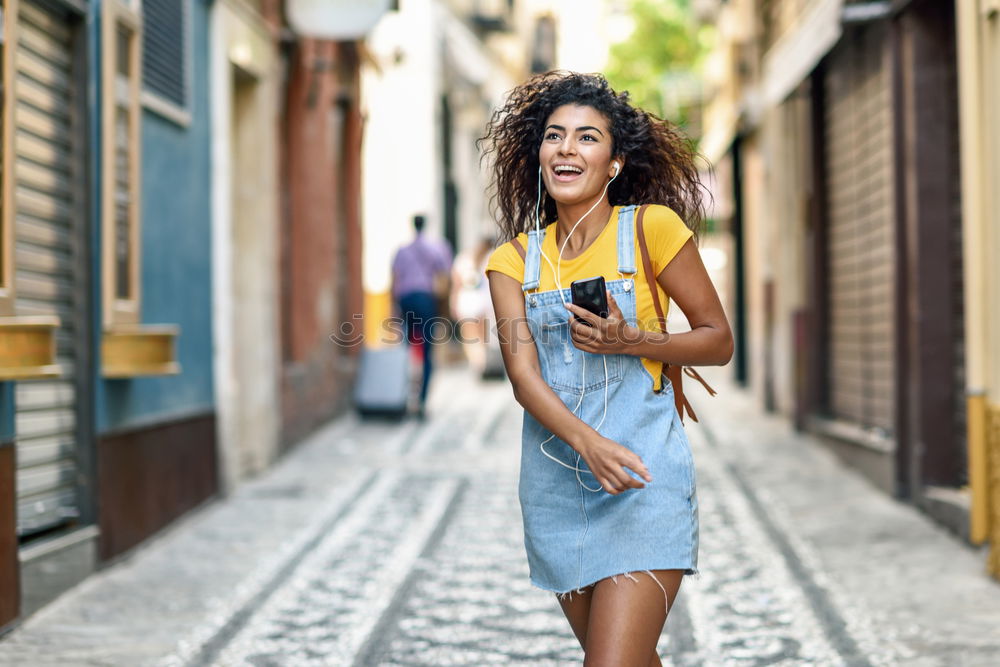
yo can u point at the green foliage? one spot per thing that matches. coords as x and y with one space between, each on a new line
659 63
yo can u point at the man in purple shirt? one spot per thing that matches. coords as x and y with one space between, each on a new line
413 276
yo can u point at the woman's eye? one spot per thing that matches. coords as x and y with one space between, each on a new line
588 136
552 135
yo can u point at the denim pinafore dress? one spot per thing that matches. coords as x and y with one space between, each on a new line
573 536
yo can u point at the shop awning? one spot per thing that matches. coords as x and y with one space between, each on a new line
796 53
720 129
465 52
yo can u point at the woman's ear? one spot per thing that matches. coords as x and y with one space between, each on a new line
617 164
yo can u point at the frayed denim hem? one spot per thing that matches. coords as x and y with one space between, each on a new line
568 595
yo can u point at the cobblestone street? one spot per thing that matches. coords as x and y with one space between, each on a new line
400 544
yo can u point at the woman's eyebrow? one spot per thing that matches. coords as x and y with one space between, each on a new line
582 128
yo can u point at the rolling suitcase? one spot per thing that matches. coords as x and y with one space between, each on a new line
382 388
493 369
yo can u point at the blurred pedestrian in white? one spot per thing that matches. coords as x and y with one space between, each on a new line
471 305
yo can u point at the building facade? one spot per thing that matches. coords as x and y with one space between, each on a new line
837 124
107 369
430 87
245 94
979 104
179 235
321 240
443 67
47 214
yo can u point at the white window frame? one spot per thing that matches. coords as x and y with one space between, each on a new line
117 311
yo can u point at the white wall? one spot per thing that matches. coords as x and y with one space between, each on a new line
401 152
402 160
244 243
582 34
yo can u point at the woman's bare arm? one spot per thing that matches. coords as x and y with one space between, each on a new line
605 458
710 341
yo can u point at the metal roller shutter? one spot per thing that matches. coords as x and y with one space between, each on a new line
47 175
861 232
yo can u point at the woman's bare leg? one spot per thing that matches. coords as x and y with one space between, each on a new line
576 607
637 622
577 610
625 618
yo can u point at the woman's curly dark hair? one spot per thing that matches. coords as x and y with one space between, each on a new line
659 159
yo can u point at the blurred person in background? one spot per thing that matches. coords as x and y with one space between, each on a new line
420 279
471 304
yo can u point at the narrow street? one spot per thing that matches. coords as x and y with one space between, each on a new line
400 544
206 207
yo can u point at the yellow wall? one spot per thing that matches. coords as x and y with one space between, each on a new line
979 95
378 310
756 262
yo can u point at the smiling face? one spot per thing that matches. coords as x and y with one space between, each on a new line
575 154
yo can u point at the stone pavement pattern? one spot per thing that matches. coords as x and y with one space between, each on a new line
384 544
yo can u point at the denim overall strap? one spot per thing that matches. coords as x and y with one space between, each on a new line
626 240
574 538
533 261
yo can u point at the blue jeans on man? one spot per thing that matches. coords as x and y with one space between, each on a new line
419 311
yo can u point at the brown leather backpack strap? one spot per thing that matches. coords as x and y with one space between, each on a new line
672 372
692 373
688 409
518 247
681 402
647 268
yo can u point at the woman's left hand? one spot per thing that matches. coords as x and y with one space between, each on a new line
602 335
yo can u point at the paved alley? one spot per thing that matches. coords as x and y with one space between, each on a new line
400 544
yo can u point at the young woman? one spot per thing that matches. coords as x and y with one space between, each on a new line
607 482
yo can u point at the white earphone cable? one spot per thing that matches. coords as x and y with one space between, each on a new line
556 271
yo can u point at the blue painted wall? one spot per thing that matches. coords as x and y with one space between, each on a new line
176 256
6 412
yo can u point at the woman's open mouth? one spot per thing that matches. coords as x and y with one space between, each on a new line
564 173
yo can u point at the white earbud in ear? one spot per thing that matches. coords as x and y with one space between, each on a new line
615 164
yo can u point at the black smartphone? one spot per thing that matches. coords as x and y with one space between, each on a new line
590 294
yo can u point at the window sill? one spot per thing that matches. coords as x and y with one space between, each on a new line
28 348
177 115
141 350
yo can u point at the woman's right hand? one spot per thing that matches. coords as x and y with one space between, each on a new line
608 461
606 458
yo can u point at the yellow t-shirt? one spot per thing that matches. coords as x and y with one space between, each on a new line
665 233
